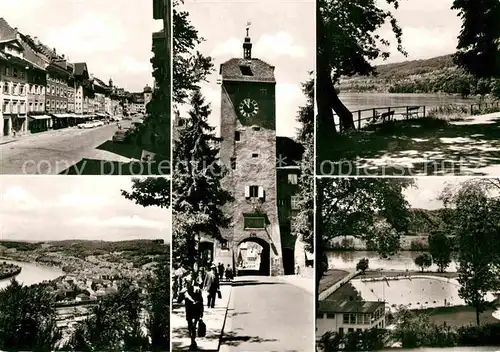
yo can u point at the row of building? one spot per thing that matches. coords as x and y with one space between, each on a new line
41 89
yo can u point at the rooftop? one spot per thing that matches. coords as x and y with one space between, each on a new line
248 70
349 306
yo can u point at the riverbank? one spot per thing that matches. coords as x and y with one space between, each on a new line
9 270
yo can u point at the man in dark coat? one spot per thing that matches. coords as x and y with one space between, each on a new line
211 285
193 300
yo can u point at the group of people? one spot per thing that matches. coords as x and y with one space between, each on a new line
189 287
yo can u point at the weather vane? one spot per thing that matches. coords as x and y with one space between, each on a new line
248 27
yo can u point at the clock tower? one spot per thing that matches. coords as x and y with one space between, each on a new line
248 149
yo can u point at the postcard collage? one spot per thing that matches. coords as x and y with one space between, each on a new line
250 175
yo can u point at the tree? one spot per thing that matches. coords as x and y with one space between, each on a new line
362 265
27 318
304 218
150 191
440 250
423 261
478 49
190 67
347 43
158 302
114 324
364 208
475 221
198 196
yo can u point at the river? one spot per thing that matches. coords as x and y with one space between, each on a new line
32 273
401 261
360 101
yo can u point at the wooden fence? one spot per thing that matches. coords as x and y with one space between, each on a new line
389 113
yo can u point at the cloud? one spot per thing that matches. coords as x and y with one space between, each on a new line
268 46
118 221
17 197
76 199
289 98
91 33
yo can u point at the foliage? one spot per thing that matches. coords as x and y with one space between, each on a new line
347 42
157 303
440 249
371 209
418 245
27 318
416 330
475 221
304 217
423 261
484 335
190 67
362 265
198 196
114 324
478 48
150 191
366 340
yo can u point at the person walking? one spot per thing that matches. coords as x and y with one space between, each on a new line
211 285
221 271
229 273
193 299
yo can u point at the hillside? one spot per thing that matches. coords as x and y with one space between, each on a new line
434 75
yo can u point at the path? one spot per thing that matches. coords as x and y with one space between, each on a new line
268 314
417 147
54 151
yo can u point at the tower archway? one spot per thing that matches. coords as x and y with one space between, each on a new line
253 257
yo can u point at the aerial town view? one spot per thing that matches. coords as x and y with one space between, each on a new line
94 275
242 203
408 87
408 263
84 94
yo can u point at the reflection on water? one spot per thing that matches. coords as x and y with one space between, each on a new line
403 260
360 101
32 273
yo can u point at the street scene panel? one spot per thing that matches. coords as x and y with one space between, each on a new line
243 179
408 263
408 88
86 93
84 264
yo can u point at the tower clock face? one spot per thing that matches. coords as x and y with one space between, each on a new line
248 108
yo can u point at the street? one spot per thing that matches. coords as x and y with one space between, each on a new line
267 314
54 151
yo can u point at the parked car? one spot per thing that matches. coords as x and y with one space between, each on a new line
120 136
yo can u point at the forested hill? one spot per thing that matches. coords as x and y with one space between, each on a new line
424 221
435 75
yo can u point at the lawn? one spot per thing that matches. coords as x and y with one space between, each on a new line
459 315
421 146
331 277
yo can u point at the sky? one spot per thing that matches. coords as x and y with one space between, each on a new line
113 37
283 35
430 29
44 208
428 189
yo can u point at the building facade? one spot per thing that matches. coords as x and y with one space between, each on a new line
13 82
348 316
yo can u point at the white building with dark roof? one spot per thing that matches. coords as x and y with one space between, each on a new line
348 316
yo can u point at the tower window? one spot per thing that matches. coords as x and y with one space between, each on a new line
293 179
233 163
253 191
237 136
246 70
263 91
255 155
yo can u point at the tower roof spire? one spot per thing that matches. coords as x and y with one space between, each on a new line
247 44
